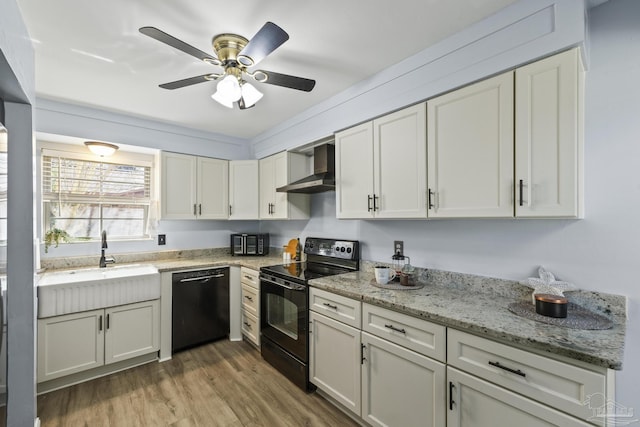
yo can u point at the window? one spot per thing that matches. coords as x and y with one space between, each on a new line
83 196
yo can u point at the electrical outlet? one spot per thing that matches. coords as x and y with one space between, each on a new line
162 239
398 247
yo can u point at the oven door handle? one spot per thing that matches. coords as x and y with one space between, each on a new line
295 287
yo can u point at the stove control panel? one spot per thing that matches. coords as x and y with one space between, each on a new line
345 249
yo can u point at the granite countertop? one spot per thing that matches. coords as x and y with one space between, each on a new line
166 261
484 312
470 303
255 263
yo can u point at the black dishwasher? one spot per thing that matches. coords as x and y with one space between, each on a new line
200 307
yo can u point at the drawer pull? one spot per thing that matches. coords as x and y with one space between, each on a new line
248 297
249 278
248 325
393 328
335 307
513 371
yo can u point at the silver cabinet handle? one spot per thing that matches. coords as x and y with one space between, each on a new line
393 328
505 368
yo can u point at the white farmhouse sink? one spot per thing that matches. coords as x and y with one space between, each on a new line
72 291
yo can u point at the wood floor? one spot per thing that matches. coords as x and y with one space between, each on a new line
220 384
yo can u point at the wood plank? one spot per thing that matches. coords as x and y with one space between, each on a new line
219 384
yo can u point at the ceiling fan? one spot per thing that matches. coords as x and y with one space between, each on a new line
235 54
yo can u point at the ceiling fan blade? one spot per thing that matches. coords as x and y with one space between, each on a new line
190 81
285 80
266 40
165 38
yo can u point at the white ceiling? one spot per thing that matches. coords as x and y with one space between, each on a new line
90 53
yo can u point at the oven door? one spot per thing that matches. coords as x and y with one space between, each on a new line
284 316
251 245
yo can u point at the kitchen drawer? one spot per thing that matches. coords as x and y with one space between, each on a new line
557 384
250 299
415 334
337 307
250 277
250 327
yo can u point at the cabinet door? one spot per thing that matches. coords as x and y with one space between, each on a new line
131 330
401 387
334 360
400 163
178 186
70 343
478 403
470 150
244 196
267 187
549 137
280 179
213 188
354 172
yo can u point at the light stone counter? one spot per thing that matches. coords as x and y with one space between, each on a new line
479 305
168 261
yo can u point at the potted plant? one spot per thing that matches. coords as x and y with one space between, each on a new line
55 235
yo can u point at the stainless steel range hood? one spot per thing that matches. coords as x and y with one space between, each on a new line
323 178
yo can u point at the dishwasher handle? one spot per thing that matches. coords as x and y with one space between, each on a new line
201 278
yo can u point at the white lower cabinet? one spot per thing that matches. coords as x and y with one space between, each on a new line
527 389
383 383
250 289
478 403
401 387
334 360
80 341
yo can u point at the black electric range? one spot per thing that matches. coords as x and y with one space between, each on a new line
284 303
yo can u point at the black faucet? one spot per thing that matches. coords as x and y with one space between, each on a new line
105 260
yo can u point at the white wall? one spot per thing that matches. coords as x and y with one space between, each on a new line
598 253
17 89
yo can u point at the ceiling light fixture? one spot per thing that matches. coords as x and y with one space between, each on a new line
232 89
102 149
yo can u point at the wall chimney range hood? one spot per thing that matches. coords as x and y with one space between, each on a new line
323 178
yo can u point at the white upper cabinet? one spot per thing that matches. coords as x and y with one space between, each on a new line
194 187
354 172
470 140
178 186
213 188
549 141
243 189
279 170
381 167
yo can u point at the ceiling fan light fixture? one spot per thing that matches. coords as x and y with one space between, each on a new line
229 88
102 149
250 94
222 99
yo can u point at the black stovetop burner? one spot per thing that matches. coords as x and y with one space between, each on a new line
325 257
303 271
